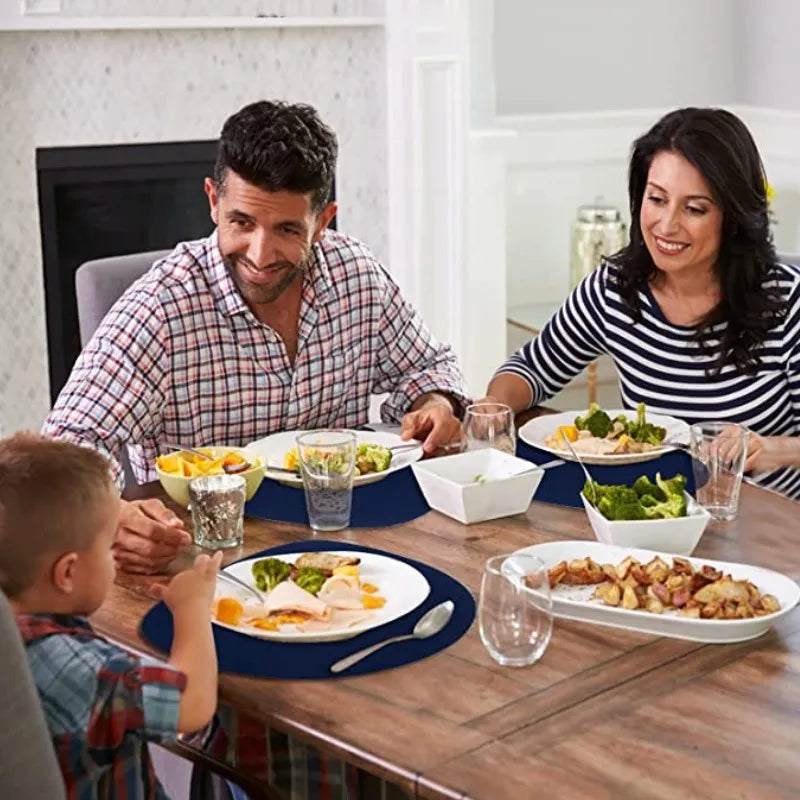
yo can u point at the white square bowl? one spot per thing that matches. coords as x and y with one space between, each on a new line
679 536
478 485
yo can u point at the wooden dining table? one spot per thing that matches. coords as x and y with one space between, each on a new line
606 712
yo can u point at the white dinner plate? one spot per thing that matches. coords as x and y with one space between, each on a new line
536 430
404 587
273 448
576 603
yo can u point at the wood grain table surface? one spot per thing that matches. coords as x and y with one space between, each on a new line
605 713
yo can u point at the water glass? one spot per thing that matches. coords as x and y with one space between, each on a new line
217 504
327 464
490 425
719 450
515 611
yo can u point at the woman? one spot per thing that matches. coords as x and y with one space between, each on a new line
700 319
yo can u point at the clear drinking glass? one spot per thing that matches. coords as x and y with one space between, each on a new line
327 464
515 611
490 425
217 503
719 450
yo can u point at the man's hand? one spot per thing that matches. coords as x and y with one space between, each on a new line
149 537
432 418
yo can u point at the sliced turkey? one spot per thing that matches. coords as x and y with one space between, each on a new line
287 597
341 591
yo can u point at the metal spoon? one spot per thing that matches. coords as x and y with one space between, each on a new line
583 467
429 623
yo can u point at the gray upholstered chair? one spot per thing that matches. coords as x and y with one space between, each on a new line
28 765
98 285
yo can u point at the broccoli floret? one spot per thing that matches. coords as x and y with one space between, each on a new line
372 458
644 486
615 502
596 421
672 486
629 511
269 572
310 579
673 507
648 501
640 430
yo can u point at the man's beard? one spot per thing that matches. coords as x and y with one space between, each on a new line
258 295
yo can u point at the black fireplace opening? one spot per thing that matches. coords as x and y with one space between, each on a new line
111 200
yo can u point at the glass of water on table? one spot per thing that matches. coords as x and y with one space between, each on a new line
490 425
327 464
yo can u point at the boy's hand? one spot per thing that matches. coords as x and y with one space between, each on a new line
194 586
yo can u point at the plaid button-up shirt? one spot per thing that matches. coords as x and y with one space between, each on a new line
181 358
102 705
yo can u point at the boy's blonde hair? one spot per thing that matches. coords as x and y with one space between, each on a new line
49 495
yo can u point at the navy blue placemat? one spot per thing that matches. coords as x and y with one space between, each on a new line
563 485
247 655
391 501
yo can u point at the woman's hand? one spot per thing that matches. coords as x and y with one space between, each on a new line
767 453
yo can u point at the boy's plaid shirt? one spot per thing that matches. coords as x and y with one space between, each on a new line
181 358
102 705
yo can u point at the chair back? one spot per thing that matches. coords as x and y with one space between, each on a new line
28 765
100 283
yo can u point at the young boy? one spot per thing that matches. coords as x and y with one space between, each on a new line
58 518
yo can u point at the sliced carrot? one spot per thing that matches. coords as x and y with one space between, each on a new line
229 610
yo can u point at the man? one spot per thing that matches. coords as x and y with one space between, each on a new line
271 323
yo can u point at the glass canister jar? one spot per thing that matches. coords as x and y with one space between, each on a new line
599 231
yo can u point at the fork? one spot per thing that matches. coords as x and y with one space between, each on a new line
226 576
191 450
415 444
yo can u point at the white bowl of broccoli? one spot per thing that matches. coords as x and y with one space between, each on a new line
655 515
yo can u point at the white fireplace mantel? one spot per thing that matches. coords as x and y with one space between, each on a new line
55 22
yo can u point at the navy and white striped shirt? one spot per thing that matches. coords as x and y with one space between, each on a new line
659 364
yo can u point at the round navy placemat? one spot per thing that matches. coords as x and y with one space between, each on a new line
391 501
248 655
563 485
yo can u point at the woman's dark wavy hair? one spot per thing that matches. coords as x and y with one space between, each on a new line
719 145
279 147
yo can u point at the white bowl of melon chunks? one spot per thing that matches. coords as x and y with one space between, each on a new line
316 596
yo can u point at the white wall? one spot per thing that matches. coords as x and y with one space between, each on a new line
770 76
585 78
590 55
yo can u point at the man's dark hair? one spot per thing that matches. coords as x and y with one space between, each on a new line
279 147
